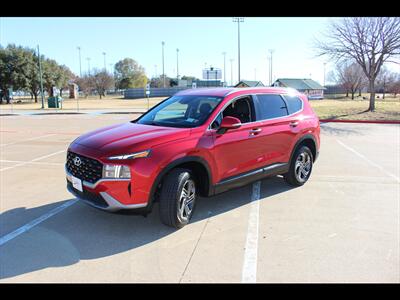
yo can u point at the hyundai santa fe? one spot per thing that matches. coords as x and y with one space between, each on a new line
199 142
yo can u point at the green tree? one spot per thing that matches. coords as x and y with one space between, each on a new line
129 74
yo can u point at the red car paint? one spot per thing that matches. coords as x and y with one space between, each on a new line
226 155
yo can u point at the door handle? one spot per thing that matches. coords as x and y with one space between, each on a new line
294 124
255 131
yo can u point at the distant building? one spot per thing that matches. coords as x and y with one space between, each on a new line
248 83
307 86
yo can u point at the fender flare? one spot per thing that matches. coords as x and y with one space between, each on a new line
300 140
173 164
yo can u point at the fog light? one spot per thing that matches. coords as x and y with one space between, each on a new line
116 171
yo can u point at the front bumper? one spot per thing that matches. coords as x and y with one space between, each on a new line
96 194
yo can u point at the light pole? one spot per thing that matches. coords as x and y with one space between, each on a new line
105 68
41 77
238 20
231 60
177 64
80 63
224 54
270 66
163 43
88 59
324 73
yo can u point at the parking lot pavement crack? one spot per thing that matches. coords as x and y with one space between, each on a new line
195 247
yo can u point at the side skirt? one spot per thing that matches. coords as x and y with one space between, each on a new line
251 176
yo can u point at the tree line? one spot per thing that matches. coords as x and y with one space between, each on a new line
350 77
19 70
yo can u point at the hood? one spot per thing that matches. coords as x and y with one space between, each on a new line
129 137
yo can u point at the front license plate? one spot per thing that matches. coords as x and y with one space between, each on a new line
77 183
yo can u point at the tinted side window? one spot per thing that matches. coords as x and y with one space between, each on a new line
294 103
271 106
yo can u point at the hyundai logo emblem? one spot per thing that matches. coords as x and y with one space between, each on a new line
77 161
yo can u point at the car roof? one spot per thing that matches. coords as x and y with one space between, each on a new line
222 92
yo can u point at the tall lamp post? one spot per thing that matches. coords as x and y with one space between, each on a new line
80 63
224 54
105 68
88 59
163 43
238 20
231 60
324 73
41 77
270 66
177 64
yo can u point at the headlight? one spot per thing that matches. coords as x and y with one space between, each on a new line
116 171
131 155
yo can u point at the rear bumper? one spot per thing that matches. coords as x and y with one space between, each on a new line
99 196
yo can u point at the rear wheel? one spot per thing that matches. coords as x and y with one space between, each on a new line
300 167
177 198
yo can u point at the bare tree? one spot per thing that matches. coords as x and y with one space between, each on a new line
369 41
102 81
394 85
350 76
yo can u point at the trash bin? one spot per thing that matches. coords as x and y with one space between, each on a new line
54 102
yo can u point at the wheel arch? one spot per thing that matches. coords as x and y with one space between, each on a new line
195 163
309 141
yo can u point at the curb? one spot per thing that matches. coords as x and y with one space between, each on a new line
360 121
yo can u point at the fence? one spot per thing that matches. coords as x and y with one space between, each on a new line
154 92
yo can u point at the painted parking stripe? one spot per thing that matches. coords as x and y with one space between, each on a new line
35 222
369 161
249 272
26 140
33 160
30 162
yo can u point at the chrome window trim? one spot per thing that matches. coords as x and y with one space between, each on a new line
255 94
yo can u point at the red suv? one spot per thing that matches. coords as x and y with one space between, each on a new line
199 142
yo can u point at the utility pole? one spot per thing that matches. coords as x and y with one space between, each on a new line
177 64
224 54
270 66
238 20
231 60
163 43
80 63
105 68
324 73
88 59
41 77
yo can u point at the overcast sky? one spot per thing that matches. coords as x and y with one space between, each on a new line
201 42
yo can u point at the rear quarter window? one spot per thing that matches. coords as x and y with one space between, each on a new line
294 103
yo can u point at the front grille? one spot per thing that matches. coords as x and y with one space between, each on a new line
89 170
93 198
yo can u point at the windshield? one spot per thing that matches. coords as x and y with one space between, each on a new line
181 111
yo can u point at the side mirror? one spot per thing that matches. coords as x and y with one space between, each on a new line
229 123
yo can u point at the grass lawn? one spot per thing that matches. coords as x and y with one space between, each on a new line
347 109
341 108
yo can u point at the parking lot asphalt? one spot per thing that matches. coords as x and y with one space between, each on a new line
343 225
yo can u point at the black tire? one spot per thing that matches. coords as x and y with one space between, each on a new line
171 201
292 177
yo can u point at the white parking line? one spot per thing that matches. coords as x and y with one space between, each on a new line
35 222
369 161
25 140
30 162
249 272
33 160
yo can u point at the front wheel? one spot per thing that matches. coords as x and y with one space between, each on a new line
300 167
177 198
